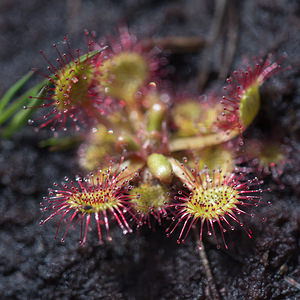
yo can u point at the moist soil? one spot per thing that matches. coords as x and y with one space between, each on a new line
146 264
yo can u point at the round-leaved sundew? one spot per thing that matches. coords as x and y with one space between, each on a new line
71 93
104 195
267 157
242 99
126 67
150 200
213 197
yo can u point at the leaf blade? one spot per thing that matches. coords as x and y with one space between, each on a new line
14 89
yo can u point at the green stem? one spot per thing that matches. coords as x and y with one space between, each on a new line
200 142
155 117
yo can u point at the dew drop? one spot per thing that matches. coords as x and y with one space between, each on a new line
75 79
152 84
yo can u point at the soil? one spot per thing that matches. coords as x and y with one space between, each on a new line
146 264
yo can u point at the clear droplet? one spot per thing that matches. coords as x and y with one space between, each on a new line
75 79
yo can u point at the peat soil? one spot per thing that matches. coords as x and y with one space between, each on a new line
146 264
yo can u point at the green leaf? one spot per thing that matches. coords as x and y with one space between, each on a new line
21 102
14 89
249 105
22 117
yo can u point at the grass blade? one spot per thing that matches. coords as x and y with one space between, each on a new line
22 117
14 89
21 101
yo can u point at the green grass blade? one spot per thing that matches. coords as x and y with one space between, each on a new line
14 89
21 118
21 101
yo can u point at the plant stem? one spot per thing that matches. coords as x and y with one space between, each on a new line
209 276
199 142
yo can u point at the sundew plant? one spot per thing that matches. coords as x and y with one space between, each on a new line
151 157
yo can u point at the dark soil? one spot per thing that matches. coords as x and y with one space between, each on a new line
147 265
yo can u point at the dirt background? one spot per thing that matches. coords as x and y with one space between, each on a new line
147 265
